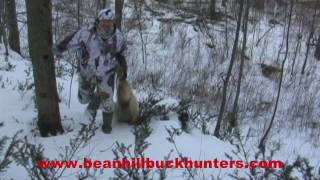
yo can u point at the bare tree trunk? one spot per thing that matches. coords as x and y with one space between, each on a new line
119 8
317 51
264 138
101 4
309 41
1 20
79 20
104 4
138 13
299 38
224 3
226 35
12 25
40 44
226 81
3 30
258 4
212 8
234 114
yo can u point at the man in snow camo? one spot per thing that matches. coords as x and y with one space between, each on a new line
101 47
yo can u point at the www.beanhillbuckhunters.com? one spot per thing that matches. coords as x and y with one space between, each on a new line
150 163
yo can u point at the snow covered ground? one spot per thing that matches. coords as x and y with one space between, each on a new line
17 112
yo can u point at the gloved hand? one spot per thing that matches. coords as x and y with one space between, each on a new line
123 64
55 51
124 71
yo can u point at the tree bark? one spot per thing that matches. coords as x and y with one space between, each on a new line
101 4
12 25
317 51
226 81
299 38
212 8
79 19
309 40
234 114
224 3
119 8
40 44
3 33
259 4
1 20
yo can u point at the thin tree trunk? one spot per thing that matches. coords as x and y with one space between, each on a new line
40 44
259 4
212 8
12 25
79 21
224 3
138 14
119 8
103 4
3 30
299 38
317 51
295 54
309 40
282 43
234 114
264 138
1 21
226 81
226 33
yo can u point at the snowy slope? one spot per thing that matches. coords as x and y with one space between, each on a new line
17 112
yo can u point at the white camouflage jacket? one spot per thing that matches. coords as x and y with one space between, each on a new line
98 56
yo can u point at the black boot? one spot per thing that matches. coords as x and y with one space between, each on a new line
107 121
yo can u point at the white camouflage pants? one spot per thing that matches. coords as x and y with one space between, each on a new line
98 92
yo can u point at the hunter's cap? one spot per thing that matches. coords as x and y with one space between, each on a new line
106 14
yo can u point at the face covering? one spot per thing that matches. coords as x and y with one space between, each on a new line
104 33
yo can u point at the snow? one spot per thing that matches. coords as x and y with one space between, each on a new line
18 113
